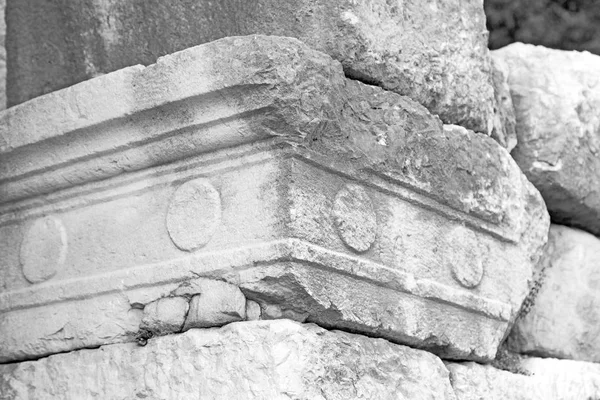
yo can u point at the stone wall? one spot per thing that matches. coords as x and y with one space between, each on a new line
383 209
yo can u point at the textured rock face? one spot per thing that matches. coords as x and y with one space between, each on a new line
435 54
250 360
548 379
556 95
564 319
254 161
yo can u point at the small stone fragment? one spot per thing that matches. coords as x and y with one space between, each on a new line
165 315
563 319
556 97
218 304
252 310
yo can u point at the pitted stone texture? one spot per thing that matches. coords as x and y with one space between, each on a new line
194 214
165 315
248 360
564 319
218 303
43 249
548 379
278 131
435 54
556 95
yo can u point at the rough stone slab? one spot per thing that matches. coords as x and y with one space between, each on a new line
275 173
548 379
248 360
556 95
563 319
436 54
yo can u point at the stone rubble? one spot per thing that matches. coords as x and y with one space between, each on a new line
563 319
164 316
556 96
218 303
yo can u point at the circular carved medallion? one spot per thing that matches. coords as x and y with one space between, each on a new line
466 256
193 215
355 217
43 249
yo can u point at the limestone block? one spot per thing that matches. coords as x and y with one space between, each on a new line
556 95
255 161
564 318
165 315
221 304
435 54
547 379
248 360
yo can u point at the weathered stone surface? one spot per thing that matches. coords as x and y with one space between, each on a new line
505 121
564 318
338 203
165 315
556 95
218 303
2 56
436 54
548 379
249 360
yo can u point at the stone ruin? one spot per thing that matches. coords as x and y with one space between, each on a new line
296 200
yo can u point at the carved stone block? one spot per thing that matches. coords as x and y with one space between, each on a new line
254 161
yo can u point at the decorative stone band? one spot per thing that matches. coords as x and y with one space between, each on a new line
255 161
